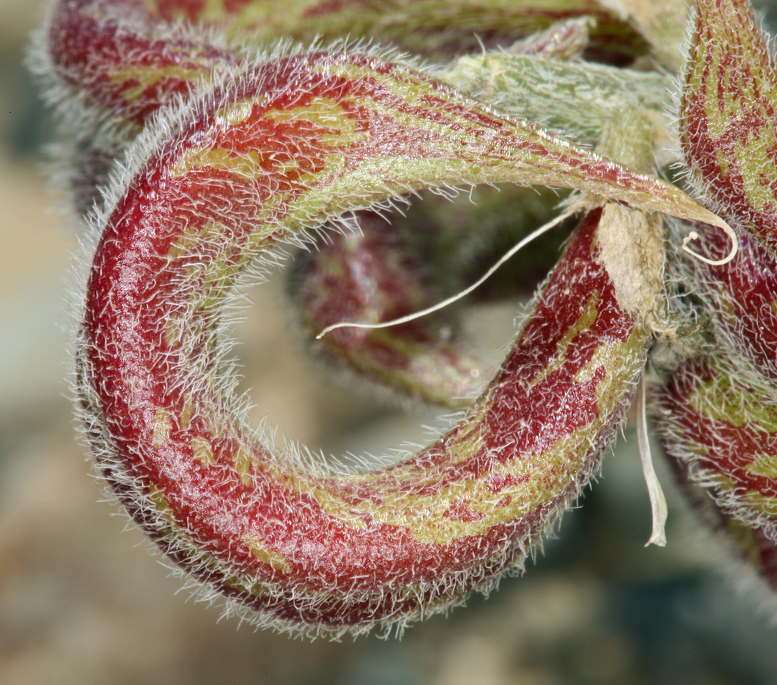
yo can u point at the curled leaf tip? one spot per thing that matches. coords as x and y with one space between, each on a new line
693 235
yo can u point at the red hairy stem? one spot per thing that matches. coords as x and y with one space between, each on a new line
127 61
229 180
720 431
753 552
132 65
741 297
718 413
130 61
130 58
727 121
256 153
423 26
724 428
345 550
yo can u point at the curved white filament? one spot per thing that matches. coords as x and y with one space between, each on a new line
440 305
657 499
693 235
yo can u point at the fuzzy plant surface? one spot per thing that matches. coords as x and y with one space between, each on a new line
200 138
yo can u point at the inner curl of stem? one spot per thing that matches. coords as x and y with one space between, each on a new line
440 305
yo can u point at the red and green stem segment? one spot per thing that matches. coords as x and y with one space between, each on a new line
253 154
256 163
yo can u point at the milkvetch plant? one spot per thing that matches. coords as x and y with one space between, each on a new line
201 145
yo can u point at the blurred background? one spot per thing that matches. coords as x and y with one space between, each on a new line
83 601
